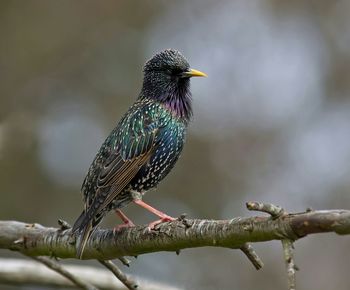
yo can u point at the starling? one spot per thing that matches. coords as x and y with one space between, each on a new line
144 146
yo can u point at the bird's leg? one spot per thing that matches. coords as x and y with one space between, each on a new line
163 217
127 222
124 218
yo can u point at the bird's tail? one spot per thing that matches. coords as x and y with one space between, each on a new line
83 230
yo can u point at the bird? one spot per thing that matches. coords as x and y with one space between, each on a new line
142 149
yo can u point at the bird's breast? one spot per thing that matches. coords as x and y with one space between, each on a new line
169 145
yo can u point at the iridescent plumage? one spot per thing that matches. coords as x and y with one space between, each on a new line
144 146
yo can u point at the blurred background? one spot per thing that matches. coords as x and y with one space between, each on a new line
271 122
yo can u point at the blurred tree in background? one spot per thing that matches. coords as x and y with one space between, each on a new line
272 121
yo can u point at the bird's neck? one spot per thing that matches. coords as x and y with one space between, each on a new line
180 107
177 102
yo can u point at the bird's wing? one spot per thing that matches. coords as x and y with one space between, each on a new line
133 146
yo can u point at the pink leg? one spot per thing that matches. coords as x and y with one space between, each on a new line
127 222
163 217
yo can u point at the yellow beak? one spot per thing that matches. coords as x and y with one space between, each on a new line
194 73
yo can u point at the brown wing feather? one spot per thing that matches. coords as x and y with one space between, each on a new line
123 177
117 172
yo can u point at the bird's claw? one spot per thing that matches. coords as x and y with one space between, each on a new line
129 224
164 219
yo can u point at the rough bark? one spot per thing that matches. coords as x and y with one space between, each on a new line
37 240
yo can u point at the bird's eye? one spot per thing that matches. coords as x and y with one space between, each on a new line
177 72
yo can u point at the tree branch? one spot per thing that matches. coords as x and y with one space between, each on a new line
289 261
253 257
36 240
25 272
128 282
55 266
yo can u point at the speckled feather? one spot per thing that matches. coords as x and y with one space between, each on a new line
147 130
143 147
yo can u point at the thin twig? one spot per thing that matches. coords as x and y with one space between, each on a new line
128 282
289 260
55 266
274 210
64 225
125 261
249 251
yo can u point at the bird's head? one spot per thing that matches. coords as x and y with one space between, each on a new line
167 79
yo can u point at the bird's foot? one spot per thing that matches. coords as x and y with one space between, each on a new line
127 222
123 226
164 219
